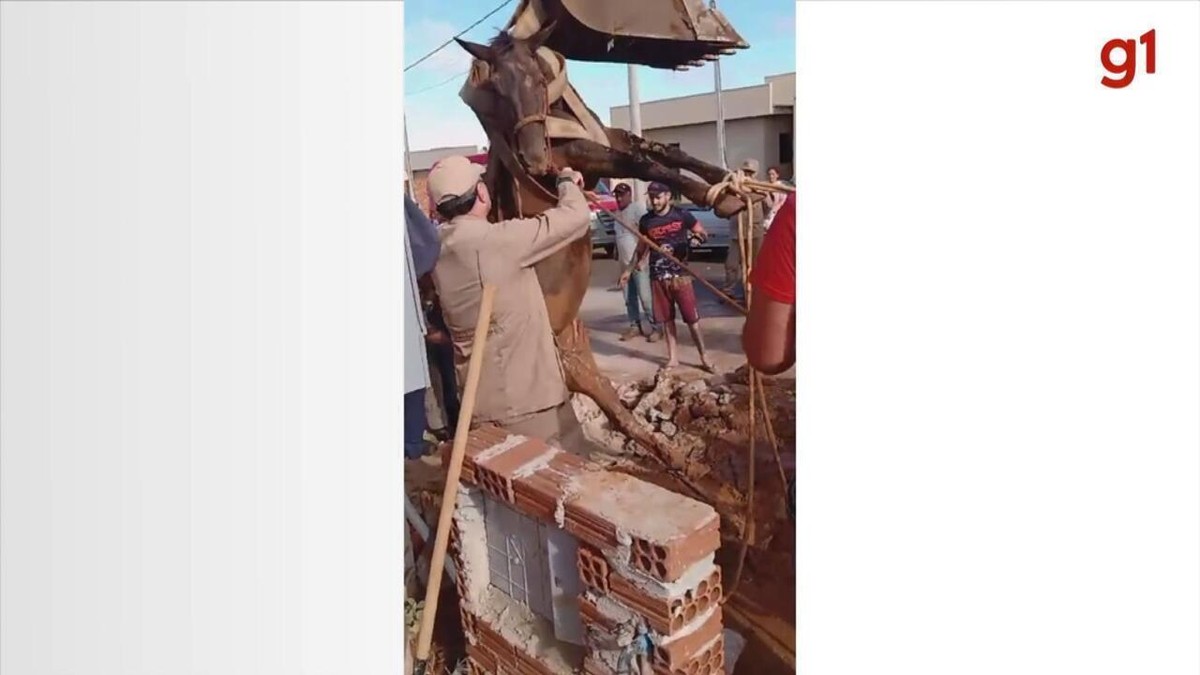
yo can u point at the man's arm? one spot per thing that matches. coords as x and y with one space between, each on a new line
422 238
639 253
769 337
691 223
535 239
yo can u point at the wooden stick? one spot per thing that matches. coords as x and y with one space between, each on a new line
658 249
450 491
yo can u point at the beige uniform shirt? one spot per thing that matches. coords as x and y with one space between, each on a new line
521 371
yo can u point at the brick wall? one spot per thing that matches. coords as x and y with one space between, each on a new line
645 556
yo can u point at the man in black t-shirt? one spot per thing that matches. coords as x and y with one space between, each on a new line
669 228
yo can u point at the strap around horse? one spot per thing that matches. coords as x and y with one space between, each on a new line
509 158
558 88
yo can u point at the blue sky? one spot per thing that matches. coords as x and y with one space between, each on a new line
438 118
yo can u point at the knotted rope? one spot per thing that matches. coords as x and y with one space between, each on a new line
741 185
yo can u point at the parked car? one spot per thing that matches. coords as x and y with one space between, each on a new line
718 229
604 226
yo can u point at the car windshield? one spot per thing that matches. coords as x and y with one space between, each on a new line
602 187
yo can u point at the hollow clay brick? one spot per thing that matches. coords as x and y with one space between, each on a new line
696 601
711 661
488 637
656 611
668 616
528 664
496 473
678 653
682 532
539 493
509 657
478 440
476 668
593 569
469 623
668 561
484 659
592 616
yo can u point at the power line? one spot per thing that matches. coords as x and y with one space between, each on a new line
439 84
443 45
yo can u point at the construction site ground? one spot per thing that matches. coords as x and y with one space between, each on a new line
711 416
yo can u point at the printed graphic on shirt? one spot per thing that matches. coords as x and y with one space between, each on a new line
669 231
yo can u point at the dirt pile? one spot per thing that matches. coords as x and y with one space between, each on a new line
703 416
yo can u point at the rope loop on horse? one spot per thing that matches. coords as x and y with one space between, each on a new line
742 186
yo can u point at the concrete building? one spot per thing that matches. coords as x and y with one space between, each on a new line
423 160
758 123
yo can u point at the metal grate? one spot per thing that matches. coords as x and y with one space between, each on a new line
517 558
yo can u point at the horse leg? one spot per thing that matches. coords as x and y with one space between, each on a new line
583 377
592 158
666 154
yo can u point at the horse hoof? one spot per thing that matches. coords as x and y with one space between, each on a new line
728 206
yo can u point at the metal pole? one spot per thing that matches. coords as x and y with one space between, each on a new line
635 122
408 175
721 152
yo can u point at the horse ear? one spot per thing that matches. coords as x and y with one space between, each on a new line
539 38
481 52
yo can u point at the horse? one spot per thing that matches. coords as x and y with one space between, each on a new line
536 124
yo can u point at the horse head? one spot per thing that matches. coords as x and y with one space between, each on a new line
517 79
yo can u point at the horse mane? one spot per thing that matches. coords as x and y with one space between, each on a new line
503 42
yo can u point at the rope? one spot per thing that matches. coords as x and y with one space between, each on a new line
743 549
762 391
740 185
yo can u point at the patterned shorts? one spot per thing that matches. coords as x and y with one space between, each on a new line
672 292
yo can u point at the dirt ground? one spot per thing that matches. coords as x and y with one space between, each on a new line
709 416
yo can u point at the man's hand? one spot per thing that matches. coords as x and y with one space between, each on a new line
574 175
700 232
624 279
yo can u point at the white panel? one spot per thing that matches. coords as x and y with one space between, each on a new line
562 551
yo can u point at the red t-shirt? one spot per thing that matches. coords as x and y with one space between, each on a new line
774 272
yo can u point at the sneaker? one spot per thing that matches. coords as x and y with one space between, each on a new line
632 332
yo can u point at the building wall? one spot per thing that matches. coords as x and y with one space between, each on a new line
756 138
423 160
697 109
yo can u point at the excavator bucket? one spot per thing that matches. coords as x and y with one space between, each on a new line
674 34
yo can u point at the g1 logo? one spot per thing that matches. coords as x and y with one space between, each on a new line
1127 68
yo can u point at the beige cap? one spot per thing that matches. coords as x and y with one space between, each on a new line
453 177
750 165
